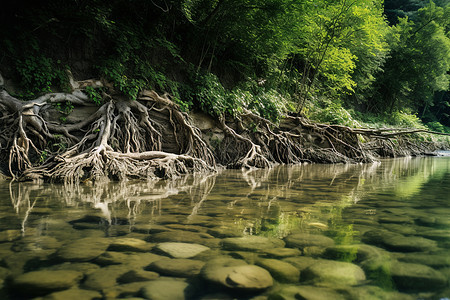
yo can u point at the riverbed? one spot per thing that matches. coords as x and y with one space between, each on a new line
361 231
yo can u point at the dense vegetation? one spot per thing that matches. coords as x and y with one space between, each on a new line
223 55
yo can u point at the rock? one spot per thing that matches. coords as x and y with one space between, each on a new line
301 262
130 244
4 273
396 220
45 281
180 236
85 249
399 228
165 289
236 274
416 277
105 277
10 235
350 253
313 251
85 268
282 252
398 242
74 294
306 293
137 260
328 272
178 267
127 290
150 228
138 275
375 293
280 270
251 243
302 240
224 232
36 243
436 260
437 234
181 250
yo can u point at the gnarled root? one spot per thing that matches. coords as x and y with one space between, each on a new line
119 140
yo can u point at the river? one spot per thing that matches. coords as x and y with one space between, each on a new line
364 231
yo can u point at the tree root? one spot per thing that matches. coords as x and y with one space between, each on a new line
119 140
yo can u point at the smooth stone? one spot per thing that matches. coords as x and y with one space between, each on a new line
306 293
193 228
378 270
407 276
45 281
4 273
280 270
181 250
138 275
180 236
129 244
301 262
251 243
249 257
398 228
85 249
137 259
437 234
165 289
313 251
85 268
178 267
375 293
235 274
436 260
10 235
105 277
396 220
224 232
150 228
127 290
36 243
398 242
302 240
74 294
328 272
282 252
350 253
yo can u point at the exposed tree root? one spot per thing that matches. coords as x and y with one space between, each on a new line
152 138
119 140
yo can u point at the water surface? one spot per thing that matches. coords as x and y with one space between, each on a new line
367 231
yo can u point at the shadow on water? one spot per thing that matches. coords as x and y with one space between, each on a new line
397 209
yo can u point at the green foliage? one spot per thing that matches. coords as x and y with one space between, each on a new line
94 94
39 74
65 109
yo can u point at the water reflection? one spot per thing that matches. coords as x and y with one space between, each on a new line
407 200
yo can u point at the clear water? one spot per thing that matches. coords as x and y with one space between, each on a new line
399 207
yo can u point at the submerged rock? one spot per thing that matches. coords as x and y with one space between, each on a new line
306 293
251 243
178 267
74 294
181 236
398 242
328 272
303 240
130 244
165 289
85 249
45 281
416 277
137 276
282 252
280 270
181 250
235 274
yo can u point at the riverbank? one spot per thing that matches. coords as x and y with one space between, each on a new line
66 137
